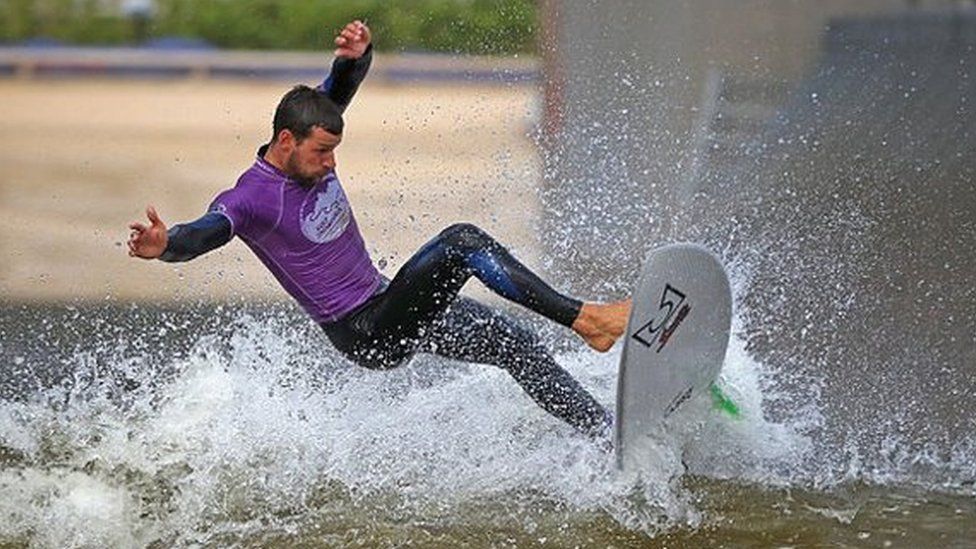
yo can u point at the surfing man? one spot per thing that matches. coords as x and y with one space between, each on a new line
290 209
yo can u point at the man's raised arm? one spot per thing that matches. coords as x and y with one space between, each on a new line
354 53
182 242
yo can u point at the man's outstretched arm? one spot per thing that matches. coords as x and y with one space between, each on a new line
354 53
182 242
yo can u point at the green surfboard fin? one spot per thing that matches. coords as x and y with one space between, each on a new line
722 402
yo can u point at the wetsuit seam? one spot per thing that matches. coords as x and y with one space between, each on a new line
233 228
281 213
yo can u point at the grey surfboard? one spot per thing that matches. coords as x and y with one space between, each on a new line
674 345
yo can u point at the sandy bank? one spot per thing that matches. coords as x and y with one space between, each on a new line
82 158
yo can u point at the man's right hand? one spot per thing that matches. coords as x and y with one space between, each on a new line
148 242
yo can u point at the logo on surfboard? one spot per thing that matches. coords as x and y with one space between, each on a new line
682 397
670 314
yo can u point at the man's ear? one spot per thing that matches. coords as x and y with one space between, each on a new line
286 139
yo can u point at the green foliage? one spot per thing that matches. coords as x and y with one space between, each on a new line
458 26
79 21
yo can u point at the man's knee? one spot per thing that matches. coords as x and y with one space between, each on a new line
466 236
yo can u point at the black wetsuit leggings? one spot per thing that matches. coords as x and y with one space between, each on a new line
420 311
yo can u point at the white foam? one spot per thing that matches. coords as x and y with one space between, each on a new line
268 426
257 429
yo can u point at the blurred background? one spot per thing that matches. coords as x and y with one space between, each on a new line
109 106
824 149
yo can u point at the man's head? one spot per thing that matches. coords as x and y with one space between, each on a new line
307 129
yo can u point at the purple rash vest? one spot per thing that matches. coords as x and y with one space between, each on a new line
306 236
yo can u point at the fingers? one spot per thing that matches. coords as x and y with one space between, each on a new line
133 243
138 235
351 33
152 215
365 34
141 234
357 27
139 245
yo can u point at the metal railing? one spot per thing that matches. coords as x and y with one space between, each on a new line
67 62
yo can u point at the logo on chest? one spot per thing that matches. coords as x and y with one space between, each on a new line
325 212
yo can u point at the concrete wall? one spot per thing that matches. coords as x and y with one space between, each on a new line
133 63
627 87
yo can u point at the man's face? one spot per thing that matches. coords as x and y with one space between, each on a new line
312 157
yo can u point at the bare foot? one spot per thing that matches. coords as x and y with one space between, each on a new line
601 324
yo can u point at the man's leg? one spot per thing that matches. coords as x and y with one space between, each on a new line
432 278
473 332
415 313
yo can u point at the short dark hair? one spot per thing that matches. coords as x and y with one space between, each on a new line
304 108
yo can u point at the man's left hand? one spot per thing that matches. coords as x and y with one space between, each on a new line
352 40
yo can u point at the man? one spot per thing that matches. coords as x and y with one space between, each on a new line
290 209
